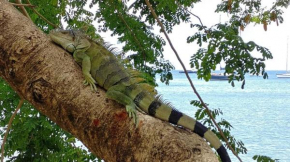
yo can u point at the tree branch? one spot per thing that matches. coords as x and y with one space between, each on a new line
51 81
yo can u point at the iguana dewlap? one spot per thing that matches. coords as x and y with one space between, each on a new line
100 66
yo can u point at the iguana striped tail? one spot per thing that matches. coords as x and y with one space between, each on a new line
154 106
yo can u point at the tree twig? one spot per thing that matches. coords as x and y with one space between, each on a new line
193 15
9 126
190 81
35 11
27 5
22 8
133 34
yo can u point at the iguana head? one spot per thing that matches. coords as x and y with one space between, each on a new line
70 40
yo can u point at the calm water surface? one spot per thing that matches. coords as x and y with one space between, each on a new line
260 113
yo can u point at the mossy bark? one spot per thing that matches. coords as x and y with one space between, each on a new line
47 77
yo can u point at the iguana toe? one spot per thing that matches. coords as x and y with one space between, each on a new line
90 81
131 110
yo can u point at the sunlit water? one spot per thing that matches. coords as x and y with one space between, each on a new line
260 113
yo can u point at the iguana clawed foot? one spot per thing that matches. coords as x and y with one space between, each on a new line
131 110
90 81
115 94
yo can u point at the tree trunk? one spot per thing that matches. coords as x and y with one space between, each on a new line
46 76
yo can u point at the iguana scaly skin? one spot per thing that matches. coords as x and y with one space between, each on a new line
100 66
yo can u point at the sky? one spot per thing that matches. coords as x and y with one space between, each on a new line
275 38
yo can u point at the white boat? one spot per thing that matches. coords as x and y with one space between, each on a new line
287 74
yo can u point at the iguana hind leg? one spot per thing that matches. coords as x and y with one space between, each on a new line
115 94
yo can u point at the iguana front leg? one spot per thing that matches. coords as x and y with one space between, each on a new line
80 56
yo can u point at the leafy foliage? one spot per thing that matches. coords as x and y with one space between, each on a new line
224 44
252 11
170 11
261 158
137 36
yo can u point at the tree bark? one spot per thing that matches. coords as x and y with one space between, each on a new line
46 76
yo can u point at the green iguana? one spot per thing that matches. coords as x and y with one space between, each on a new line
101 66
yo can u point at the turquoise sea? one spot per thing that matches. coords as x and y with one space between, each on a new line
259 113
